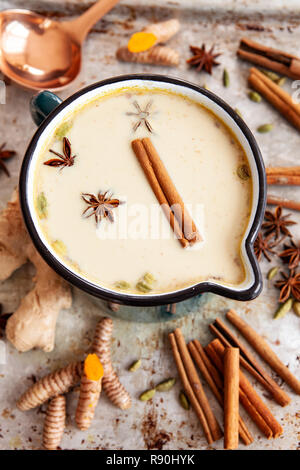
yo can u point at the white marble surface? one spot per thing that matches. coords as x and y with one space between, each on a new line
147 425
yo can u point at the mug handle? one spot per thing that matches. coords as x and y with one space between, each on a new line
42 104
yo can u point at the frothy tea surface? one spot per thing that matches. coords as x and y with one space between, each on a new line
99 213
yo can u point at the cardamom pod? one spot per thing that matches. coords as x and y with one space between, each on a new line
122 285
63 129
135 365
283 309
271 75
272 273
265 128
254 96
147 395
165 386
143 287
238 112
281 81
243 172
183 399
42 206
149 278
296 308
226 79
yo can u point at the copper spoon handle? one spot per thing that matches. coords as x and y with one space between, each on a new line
80 27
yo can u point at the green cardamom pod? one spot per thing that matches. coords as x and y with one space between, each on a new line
122 285
183 399
42 206
147 395
165 386
226 79
265 128
283 309
59 247
272 273
238 112
135 365
296 308
281 81
271 75
143 287
63 129
149 278
243 172
254 96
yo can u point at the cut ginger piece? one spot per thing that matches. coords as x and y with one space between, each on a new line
141 41
93 368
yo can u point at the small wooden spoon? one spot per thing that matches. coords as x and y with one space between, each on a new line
39 53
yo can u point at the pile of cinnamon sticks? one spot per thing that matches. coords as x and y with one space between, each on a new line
289 175
220 364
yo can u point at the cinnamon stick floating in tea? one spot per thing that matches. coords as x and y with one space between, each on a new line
231 397
213 379
193 388
249 362
251 401
289 204
279 98
143 159
264 350
158 176
273 59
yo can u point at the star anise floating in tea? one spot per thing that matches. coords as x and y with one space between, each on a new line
5 155
289 285
100 206
203 59
63 160
142 116
276 223
264 246
291 254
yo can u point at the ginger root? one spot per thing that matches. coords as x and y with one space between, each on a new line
111 384
33 323
51 385
90 389
157 55
54 424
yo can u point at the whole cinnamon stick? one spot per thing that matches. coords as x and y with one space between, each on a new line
144 161
283 170
205 366
249 362
270 58
264 350
289 204
273 97
283 180
258 411
188 389
196 385
231 397
175 202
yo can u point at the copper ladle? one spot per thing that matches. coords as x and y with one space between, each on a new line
39 53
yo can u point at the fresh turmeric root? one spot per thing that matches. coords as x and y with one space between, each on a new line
51 385
90 389
157 55
54 422
33 323
163 30
111 384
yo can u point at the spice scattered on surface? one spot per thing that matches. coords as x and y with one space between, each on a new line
264 128
272 273
135 365
100 206
291 254
63 160
283 309
226 78
264 246
276 223
254 96
203 59
296 308
184 401
166 385
289 285
5 155
147 395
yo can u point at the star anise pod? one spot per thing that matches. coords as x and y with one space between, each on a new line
4 155
291 254
276 223
100 206
142 115
203 59
289 285
264 246
67 159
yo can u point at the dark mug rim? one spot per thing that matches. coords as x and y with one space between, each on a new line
164 298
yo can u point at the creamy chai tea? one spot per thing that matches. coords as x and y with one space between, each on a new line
106 169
